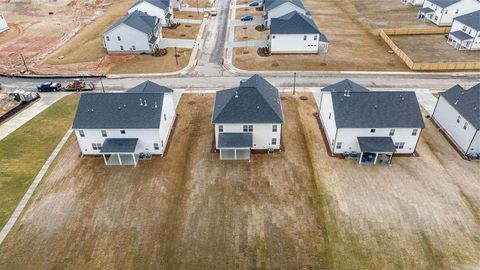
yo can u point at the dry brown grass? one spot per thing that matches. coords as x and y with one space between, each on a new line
290 210
195 3
243 33
189 15
184 31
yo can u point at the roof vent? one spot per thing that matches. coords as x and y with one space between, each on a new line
141 102
119 107
124 105
156 106
145 103
456 102
93 110
376 107
236 93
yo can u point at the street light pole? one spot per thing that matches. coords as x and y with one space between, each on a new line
294 81
176 56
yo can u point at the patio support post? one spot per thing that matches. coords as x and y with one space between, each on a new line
134 161
360 158
235 153
105 159
376 156
119 159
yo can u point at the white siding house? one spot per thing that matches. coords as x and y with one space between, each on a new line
413 2
442 12
278 8
247 117
125 127
295 33
3 23
162 9
137 32
465 32
372 126
457 113
176 4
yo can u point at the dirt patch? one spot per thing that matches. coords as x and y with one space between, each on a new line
249 33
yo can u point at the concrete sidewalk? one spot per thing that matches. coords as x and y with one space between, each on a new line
188 21
179 43
24 116
250 43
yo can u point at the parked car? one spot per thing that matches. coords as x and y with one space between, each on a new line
246 18
213 12
253 4
49 87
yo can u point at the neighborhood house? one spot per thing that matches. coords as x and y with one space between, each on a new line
442 12
137 32
158 8
465 32
125 127
247 117
413 2
457 113
369 125
278 8
295 33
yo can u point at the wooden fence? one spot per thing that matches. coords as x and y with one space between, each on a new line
385 33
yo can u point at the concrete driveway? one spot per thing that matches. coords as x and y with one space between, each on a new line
256 21
179 43
250 43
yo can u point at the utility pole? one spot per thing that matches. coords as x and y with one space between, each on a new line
294 81
198 11
176 55
101 82
24 63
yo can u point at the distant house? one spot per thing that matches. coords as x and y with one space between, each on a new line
295 33
369 125
176 4
137 32
458 114
278 8
465 32
3 23
247 117
125 127
442 12
413 2
162 9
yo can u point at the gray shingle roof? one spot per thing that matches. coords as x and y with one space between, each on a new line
293 23
235 140
150 87
137 20
376 144
122 145
466 102
460 35
444 3
163 4
471 20
271 4
377 109
118 111
426 10
345 85
254 101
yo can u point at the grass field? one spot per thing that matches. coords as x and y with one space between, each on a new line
297 209
243 33
24 152
184 31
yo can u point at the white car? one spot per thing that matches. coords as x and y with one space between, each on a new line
213 11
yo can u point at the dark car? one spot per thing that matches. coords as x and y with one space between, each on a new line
254 4
246 18
49 87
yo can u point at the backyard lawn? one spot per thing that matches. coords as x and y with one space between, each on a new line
24 152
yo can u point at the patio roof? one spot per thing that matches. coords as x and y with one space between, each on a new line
119 145
376 144
460 35
235 140
427 10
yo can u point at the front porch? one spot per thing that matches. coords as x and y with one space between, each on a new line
375 150
120 152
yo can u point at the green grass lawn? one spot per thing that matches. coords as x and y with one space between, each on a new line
23 153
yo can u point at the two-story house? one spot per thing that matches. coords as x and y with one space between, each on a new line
465 32
369 125
295 33
442 12
278 8
413 2
247 117
125 127
457 113
162 9
137 32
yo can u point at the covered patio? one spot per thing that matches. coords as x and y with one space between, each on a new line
120 152
425 13
376 150
460 40
235 146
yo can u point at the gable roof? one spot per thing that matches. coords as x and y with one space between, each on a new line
471 20
137 20
118 111
345 85
293 23
377 109
150 87
466 102
162 4
444 3
254 101
271 4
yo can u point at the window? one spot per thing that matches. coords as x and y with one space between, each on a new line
161 142
119 39
392 132
446 11
220 128
329 116
247 128
108 38
465 126
456 11
155 146
121 48
339 145
464 29
122 131
399 145
304 37
372 130
97 146
274 128
273 36
81 133
104 133
458 119
133 47
164 117
274 141
414 132
314 37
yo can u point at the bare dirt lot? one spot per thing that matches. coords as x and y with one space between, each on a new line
183 31
432 49
298 209
352 29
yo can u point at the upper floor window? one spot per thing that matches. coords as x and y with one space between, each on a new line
133 47
464 29
339 145
273 36
458 119
465 126
304 37
314 37
392 132
104 133
121 48
329 116
220 128
274 128
108 38
414 132
274 141
247 128
119 38
164 117
372 130
122 131
155 146
81 133
446 11
456 11
399 145
97 146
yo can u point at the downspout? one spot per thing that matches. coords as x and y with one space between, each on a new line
416 144
475 135
334 142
